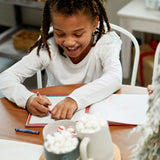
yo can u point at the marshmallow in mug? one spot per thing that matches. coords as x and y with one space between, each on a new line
90 123
61 142
69 129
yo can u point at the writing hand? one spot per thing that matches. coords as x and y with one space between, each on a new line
38 105
64 109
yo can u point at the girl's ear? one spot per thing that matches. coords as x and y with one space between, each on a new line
95 24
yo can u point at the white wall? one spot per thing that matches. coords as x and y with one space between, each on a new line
112 6
33 16
7 16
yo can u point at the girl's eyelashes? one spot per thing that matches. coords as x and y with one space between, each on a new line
78 35
63 34
60 34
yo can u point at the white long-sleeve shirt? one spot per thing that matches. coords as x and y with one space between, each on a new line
100 70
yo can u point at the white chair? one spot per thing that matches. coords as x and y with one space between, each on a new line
137 50
156 60
39 79
136 59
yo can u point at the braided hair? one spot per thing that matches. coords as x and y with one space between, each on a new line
92 8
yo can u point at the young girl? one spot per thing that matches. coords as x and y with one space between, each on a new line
81 49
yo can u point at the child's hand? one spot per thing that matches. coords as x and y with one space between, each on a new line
38 105
64 109
149 89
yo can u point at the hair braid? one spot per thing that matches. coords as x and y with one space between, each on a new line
102 17
103 13
42 42
45 22
46 25
39 46
32 47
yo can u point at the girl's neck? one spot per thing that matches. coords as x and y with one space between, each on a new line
83 54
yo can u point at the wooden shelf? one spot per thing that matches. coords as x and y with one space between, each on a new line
7 50
6 44
24 3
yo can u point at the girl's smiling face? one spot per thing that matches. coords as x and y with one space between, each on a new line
74 34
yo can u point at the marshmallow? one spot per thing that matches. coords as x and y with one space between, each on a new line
61 141
71 129
90 123
60 128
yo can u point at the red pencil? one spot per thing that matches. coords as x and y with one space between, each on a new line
38 94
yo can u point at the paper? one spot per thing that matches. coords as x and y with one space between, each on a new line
13 150
123 108
41 121
118 109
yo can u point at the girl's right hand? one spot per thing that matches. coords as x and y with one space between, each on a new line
38 105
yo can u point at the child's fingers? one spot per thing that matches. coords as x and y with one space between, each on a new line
43 100
38 113
56 112
42 108
44 103
38 110
71 112
64 112
59 111
36 103
64 109
47 101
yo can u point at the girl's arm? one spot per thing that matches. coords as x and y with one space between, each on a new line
12 79
108 83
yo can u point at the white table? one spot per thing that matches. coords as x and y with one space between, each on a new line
136 17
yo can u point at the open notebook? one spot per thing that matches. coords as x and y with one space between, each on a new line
117 109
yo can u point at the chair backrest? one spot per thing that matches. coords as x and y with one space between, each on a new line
39 79
137 50
136 58
156 61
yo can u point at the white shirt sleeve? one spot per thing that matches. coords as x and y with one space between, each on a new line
108 83
11 79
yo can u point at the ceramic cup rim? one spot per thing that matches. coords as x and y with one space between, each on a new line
91 133
65 152
59 122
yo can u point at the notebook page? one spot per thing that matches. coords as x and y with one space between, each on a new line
41 121
123 108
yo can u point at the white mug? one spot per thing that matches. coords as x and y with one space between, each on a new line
51 128
96 145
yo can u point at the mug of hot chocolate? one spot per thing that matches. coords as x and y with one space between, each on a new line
61 141
96 142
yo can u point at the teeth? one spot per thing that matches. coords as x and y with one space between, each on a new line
71 48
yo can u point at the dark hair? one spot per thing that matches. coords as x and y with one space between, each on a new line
91 8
